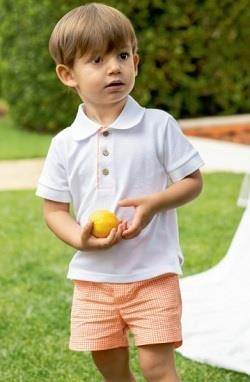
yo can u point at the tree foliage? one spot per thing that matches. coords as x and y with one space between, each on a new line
194 58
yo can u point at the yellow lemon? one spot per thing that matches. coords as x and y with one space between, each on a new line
103 221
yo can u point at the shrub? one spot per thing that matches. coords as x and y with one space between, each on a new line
194 58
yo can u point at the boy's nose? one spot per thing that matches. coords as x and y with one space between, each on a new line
113 66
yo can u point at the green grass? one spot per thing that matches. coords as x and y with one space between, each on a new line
20 144
207 224
36 298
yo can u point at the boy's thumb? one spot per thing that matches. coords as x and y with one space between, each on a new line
86 231
128 202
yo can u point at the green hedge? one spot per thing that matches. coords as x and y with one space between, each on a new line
194 58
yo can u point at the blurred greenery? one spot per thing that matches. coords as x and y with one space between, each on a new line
18 144
36 298
194 58
207 224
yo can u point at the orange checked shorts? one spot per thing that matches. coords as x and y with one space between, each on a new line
102 313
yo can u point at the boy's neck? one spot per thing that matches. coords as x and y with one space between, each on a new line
104 115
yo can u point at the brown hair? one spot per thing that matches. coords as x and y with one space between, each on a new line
92 29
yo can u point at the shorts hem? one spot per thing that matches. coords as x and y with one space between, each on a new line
96 348
177 343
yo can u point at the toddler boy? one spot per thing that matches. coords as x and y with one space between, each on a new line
120 156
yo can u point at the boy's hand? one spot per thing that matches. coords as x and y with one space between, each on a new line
91 243
144 213
146 207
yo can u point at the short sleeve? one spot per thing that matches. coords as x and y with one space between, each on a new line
181 158
53 182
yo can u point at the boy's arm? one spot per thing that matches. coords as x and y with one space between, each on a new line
59 220
147 206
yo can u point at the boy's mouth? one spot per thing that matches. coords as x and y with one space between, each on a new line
114 83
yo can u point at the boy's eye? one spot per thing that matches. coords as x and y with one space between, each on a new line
124 55
97 60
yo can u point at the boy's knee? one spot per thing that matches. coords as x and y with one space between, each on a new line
159 373
157 364
113 364
153 371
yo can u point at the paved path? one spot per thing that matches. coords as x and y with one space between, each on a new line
218 156
20 174
223 156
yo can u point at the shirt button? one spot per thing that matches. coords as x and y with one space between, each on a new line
105 171
105 133
105 153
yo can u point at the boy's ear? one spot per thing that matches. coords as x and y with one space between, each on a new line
136 62
65 75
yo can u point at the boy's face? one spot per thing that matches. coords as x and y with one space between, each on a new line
102 80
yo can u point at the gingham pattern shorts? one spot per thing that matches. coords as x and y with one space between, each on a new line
102 313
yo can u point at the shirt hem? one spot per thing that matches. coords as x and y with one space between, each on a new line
109 278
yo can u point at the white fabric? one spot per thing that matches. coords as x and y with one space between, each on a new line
216 308
146 147
244 197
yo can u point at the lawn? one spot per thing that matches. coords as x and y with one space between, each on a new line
36 297
20 144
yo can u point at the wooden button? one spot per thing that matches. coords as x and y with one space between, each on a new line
105 133
105 171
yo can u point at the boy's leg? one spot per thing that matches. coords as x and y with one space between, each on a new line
113 364
157 363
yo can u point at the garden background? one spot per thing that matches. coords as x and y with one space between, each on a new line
194 62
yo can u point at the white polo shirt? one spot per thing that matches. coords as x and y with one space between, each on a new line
93 167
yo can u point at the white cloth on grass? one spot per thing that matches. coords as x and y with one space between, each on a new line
244 197
216 304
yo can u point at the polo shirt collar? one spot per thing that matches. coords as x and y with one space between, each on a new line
83 127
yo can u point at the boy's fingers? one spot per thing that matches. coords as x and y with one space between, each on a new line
116 234
119 231
111 234
130 234
134 229
111 237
